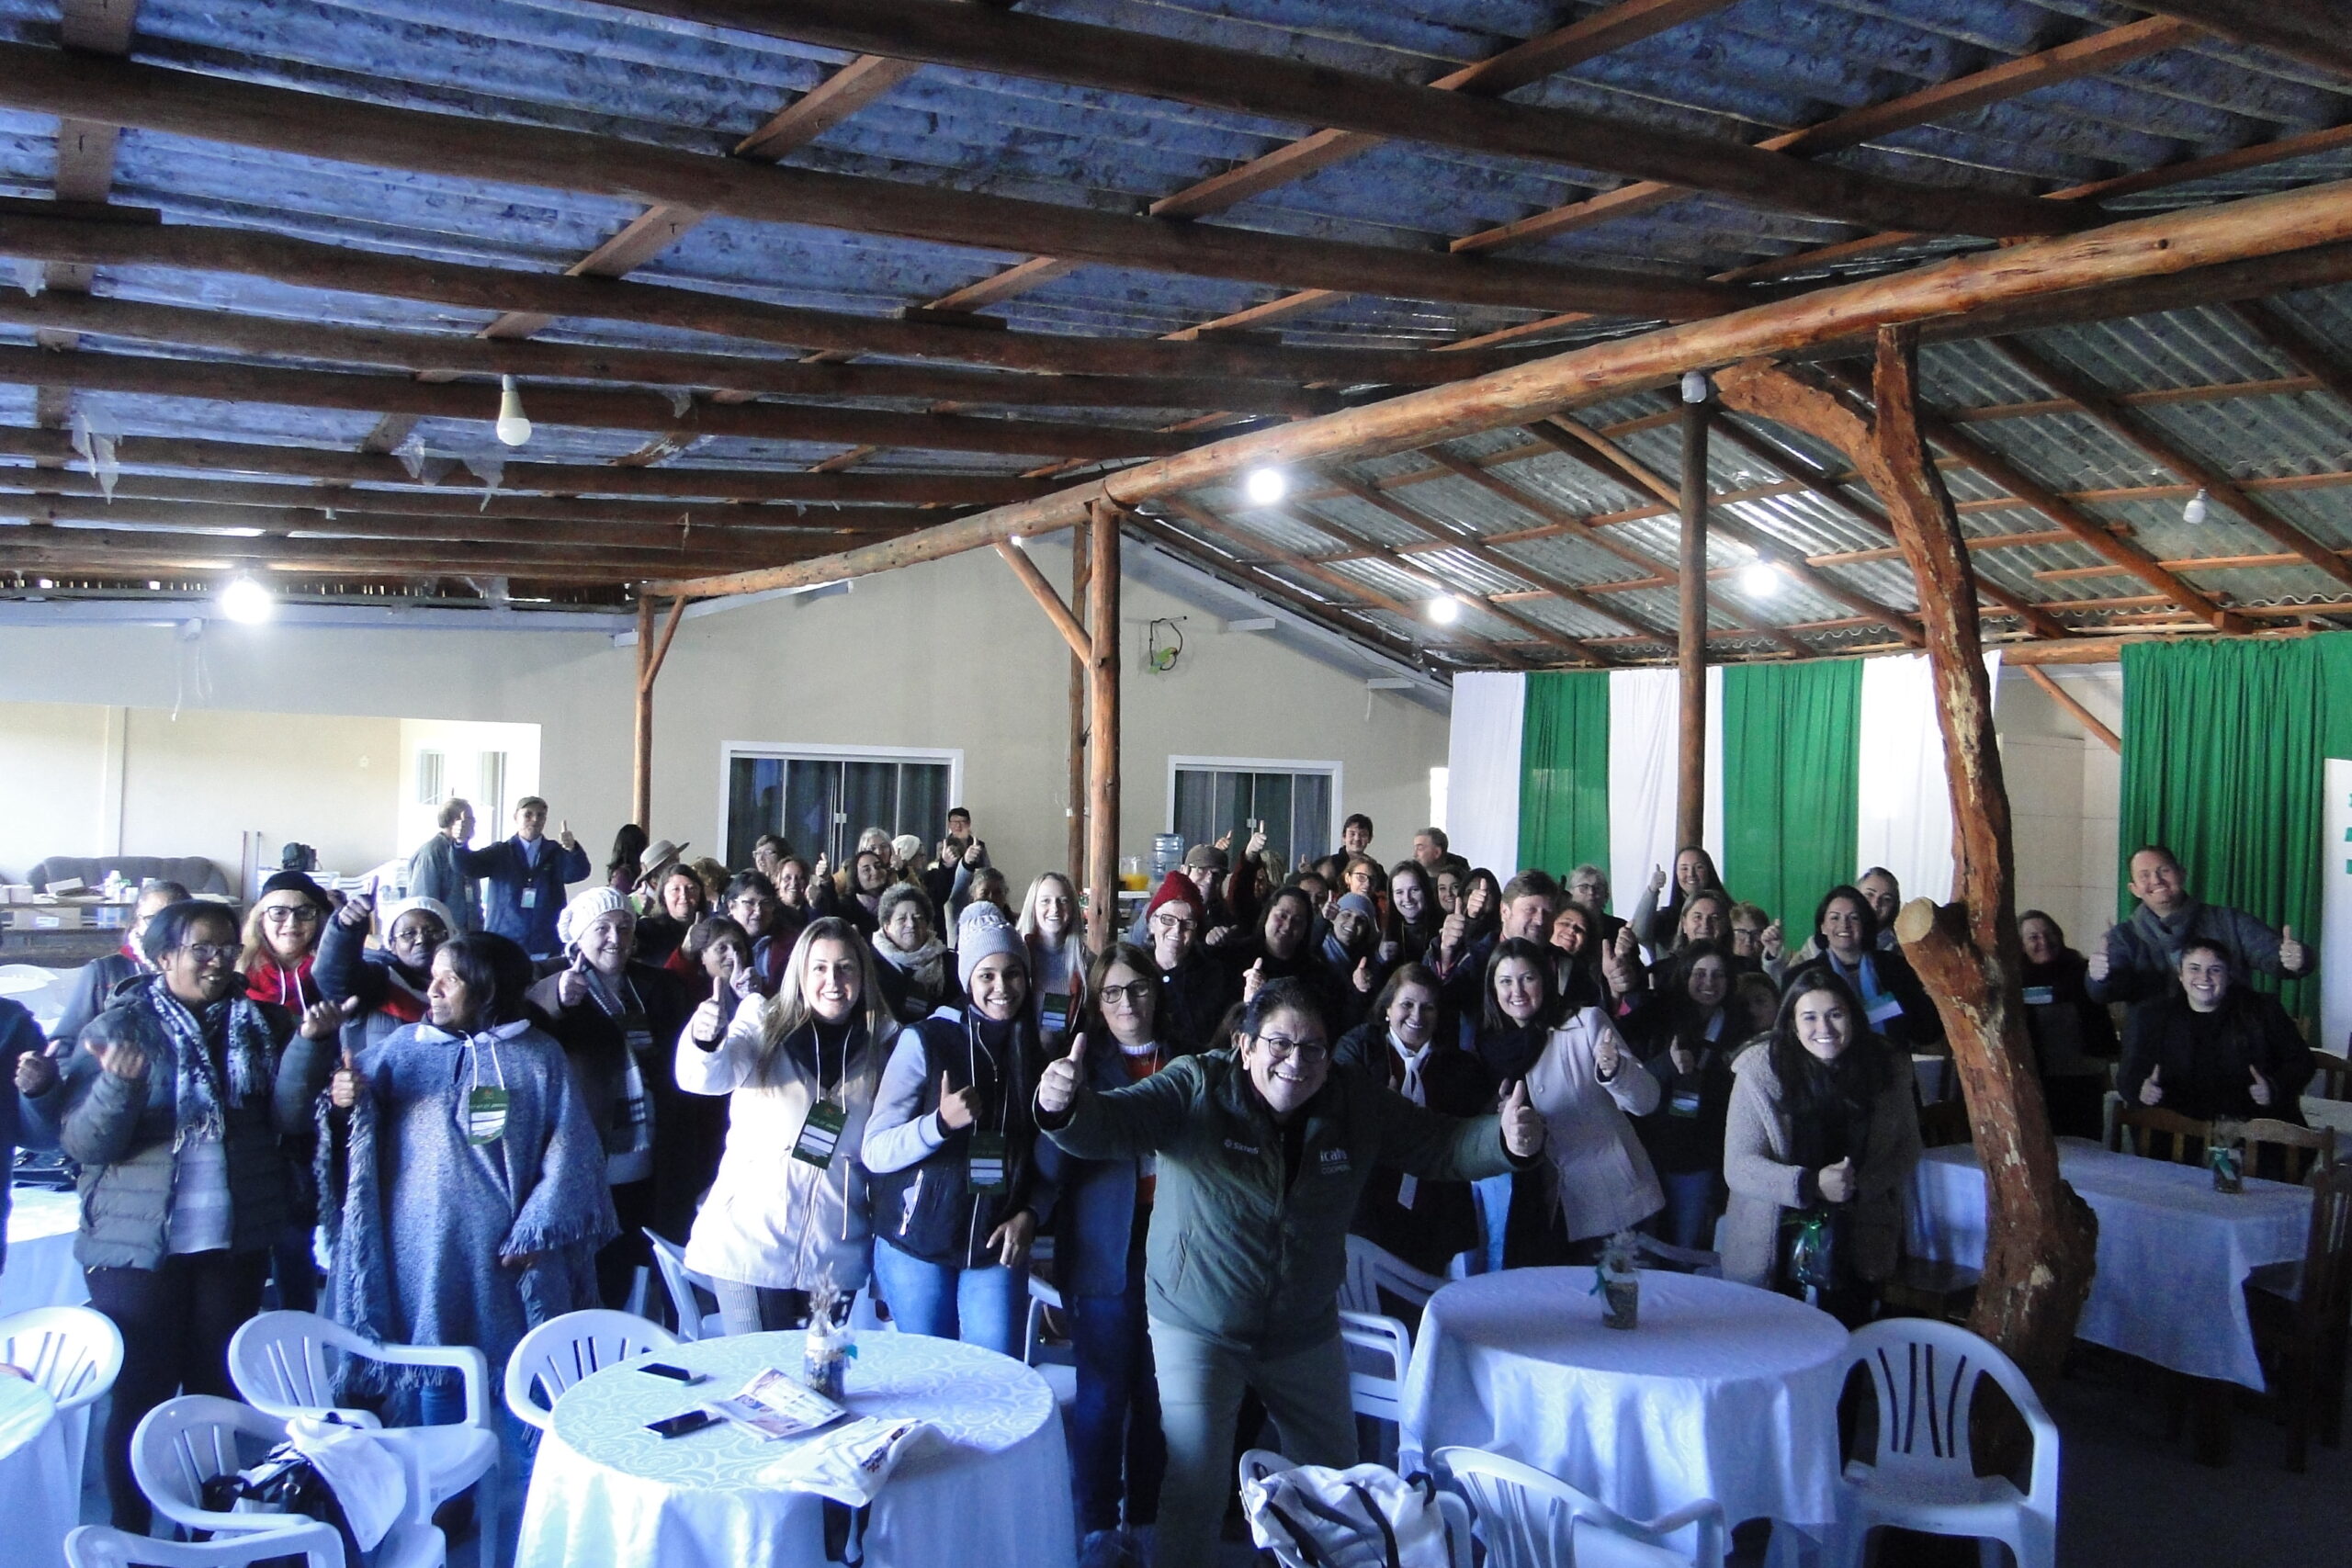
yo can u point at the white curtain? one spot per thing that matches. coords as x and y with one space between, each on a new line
1903 804
1644 727
1482 769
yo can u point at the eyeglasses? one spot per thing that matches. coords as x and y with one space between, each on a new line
201 953
1173 924
291 915
1133 995
1307 1051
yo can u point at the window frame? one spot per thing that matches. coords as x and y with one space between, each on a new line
1333 769
812 752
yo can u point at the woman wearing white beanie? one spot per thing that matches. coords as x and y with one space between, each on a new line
956 1188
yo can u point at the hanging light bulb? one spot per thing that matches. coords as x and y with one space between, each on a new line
247 601
1761 580
1694 386
1445 609
1264 487
511 427
2197 511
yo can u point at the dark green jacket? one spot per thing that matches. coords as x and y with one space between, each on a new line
1233 1254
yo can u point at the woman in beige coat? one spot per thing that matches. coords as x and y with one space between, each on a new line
1824 1132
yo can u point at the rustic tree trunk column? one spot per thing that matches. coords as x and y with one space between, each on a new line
1102 737
1081 565
1691 649
2041 1237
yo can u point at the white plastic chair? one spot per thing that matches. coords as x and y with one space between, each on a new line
183 1442
102 1546
1925 1374
1372 1269
1378 1351
1057 1364
1529 1520
563 1350
75 1353
687 1289
1259 1464
279 1362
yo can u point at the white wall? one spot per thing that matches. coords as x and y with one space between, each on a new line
2065 790
952 653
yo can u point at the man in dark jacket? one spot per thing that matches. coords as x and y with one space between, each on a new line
2140 958
1263 1155
525 877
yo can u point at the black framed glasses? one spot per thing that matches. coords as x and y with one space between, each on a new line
1134 995
1305 1052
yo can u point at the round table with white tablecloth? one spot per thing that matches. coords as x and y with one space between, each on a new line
40 1270
43 1500
1724 1391
990 1489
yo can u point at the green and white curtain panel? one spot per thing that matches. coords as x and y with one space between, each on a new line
1815 771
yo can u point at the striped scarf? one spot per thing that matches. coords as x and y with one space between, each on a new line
247 1044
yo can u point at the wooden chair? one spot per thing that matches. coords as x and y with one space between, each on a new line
1927 1287
2146 1124
2301 1150
2331 1077
2298 1312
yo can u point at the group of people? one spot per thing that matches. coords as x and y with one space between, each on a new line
448 1114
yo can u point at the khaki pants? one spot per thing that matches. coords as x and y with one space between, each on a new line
1199 1398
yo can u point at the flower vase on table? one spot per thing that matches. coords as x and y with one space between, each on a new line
1618 1282
2225 1151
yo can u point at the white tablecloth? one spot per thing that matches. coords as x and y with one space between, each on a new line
42 1272
2173 1253
1724 1391
43 1500
996 1495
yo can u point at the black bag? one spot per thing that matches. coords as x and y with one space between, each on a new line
284 1482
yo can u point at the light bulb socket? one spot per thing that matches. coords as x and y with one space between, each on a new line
2197 509
1695 388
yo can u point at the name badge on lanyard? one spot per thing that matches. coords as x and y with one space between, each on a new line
2041 995
531 896
486 1114
820 1134
984 1164
1685 1103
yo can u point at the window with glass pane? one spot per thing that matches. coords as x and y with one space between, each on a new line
1295 806
820 804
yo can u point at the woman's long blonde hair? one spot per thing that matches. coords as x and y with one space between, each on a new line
790 1009
1028 924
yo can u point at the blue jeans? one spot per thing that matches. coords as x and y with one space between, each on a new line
1493 1193
1688 1219
1116 1442
441 1403
988 1307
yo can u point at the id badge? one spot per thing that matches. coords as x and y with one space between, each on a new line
637 1032
1685 1103
486 1114
1409 1187
1888 1010
2041 995
984 1165
820 1134
530 897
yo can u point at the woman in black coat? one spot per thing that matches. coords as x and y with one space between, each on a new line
2211 1049
1894 1004
2074 1039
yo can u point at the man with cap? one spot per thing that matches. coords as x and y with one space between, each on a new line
526 876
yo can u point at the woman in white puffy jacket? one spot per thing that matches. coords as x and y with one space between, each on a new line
787 1213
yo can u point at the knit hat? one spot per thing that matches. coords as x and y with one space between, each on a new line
1176 887
1205 857
391 914
983 933
906 847
585 908
1357 904
296 882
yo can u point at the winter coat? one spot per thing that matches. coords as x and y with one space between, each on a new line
92 987
1759 1143
2073 1035
18 1035
1597 1177
1916 1026
121 1131
388 999
525 899
2143 951
772 1220
921 1203
1240 1251
437 870
1441 1217
2207 1059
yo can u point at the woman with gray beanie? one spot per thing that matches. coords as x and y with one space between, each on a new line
950 1148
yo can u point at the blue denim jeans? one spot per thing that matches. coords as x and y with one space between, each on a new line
1493 1193
1115 1444
1689 1217
988 1307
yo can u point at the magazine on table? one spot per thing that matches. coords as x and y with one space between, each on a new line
775 1405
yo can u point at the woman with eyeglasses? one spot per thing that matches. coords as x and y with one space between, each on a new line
282 932
750 902
1262 1152
1102 1214
383 986
1193 984
175 1103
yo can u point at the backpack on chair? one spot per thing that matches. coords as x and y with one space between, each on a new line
1368 1516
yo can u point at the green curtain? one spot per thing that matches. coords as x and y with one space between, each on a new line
2224 743
1791 771
1564 771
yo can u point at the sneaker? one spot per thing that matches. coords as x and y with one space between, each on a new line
1102 1548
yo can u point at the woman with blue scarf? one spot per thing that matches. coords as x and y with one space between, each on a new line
1893 1004
173 1103
461 1178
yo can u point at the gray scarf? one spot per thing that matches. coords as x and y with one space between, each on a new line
247 1046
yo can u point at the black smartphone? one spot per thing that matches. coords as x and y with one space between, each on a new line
686 1421
676 1374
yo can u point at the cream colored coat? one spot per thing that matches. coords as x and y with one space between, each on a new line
1602 1175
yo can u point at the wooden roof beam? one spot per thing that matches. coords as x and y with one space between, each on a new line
2308 31
1347 620
101 548
2319 364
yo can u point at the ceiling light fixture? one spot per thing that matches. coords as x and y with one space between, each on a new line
1264 487
1761 581
1445 609
511 427
2197 511
1694 386
247 601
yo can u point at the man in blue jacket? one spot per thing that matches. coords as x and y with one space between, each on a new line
524 878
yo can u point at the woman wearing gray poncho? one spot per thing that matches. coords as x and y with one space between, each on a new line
463 1184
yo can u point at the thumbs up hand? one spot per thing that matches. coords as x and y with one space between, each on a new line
2098 963
1058 1085
1252 978
343 1088
1364 978
563 836
1837 1181
958 1108
2292 954
2259 1092
36 1073
2151 1091
1523 1123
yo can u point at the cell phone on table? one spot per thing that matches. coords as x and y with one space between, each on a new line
686 1421
676 1374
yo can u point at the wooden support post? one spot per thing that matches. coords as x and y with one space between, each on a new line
650 655
2041 1238
1081 563
1691 648
1102 739
2082 716
1047 600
